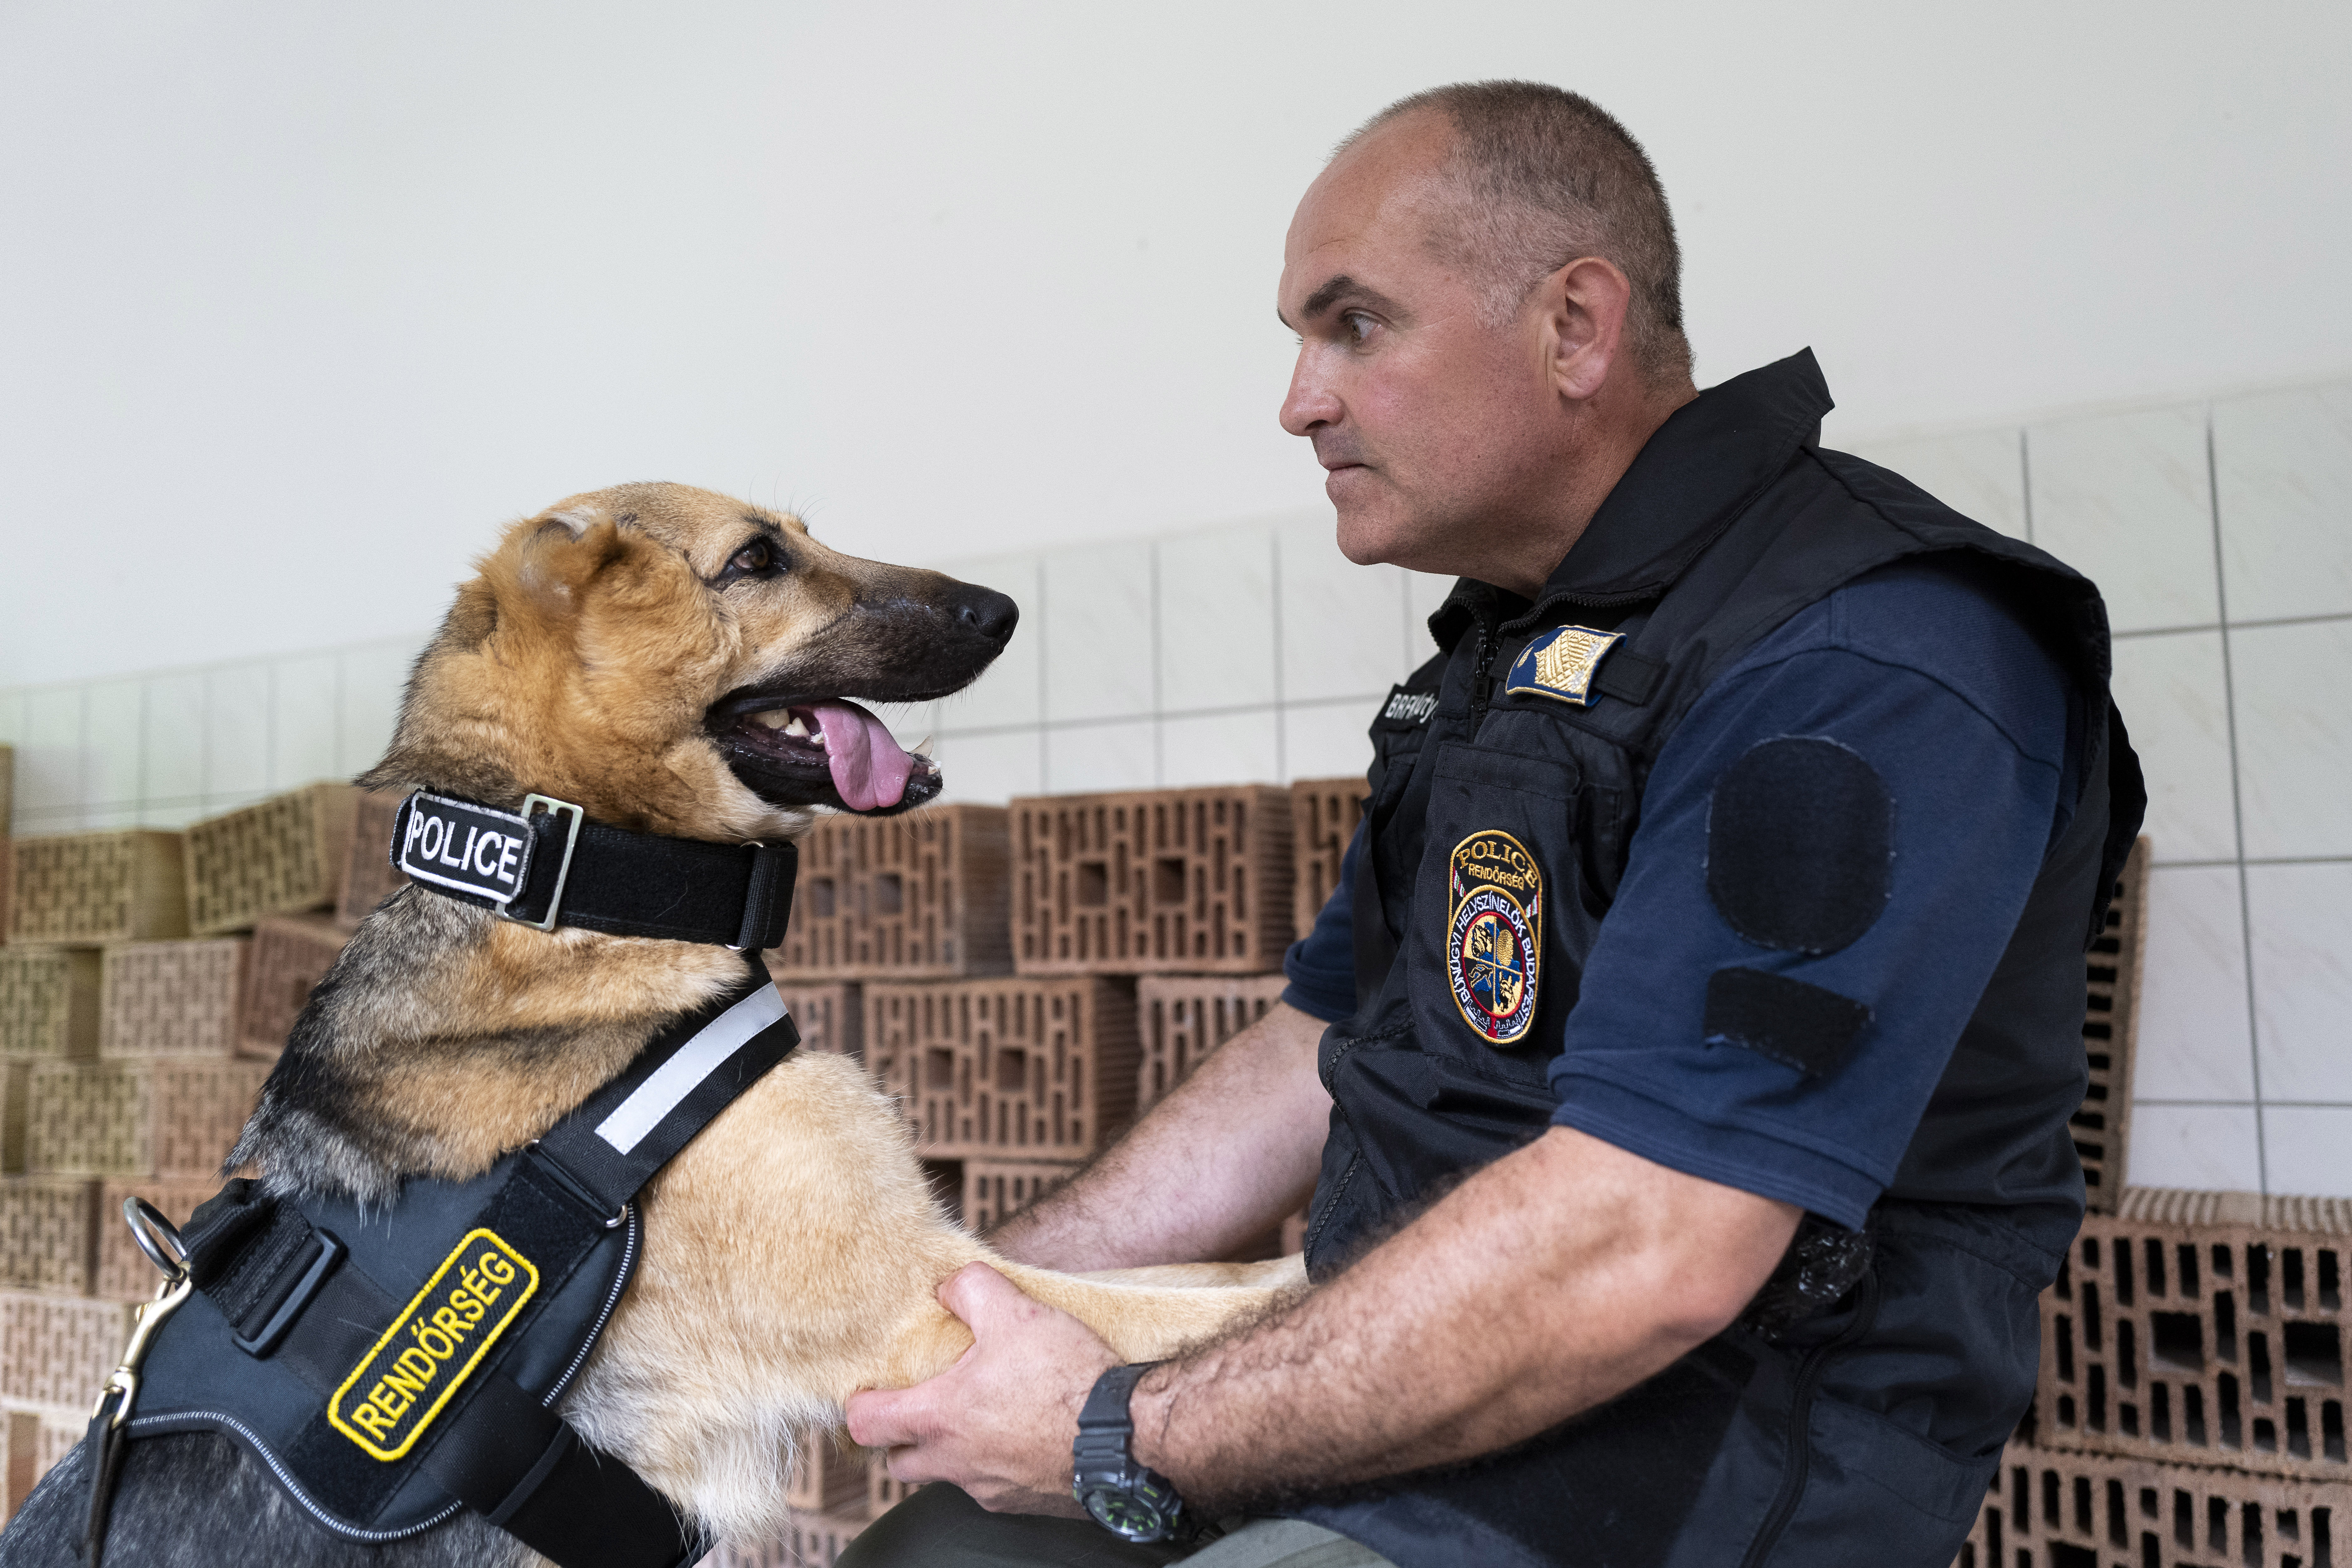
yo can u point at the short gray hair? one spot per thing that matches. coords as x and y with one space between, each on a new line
1546 176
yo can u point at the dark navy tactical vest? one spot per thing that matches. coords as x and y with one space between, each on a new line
1867 1432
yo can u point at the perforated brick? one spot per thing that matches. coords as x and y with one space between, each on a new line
830 1016
1152 881
1323 817
828 1475
170 998
2097 1510
882 1493
1042 1069
994 1190
48 1234
1183 1017
369 876
165 1116
290 955
56 1350
123 1273
903 898
282 856
2102 1126
32 1438
85 889
49 1002
2203 1327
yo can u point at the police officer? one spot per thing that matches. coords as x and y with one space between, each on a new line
1688 1139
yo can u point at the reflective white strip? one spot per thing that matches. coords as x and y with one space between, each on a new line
696 1060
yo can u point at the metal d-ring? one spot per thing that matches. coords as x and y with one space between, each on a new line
157 1236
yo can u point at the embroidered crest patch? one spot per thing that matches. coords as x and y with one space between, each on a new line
1493 935
1560 664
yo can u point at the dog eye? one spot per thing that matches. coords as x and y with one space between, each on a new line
760 558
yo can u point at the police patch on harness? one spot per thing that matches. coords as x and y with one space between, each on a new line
1561 663
470 847
397 1389
1493 939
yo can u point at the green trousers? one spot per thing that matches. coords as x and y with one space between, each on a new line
939 1527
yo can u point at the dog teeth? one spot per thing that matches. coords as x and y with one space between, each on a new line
798 727
774 718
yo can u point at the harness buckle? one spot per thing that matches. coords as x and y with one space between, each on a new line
563 868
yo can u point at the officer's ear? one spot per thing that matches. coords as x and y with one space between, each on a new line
1583 307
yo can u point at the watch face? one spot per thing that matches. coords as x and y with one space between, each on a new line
1123 1513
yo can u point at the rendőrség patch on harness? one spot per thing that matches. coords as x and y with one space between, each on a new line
433 1346
1494 935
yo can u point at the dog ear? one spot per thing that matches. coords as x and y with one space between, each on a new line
562 552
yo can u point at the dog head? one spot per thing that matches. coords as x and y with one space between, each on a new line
683 663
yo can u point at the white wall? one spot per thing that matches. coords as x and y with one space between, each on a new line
299 301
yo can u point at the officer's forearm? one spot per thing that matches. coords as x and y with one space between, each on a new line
1229 1153
1552 1280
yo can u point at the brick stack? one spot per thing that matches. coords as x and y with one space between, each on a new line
2192 1400
1324 816
2191 1405
126 1069
369 876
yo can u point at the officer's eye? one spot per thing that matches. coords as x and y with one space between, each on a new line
760 558
1358 326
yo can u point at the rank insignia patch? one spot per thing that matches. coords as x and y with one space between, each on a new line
1560 664
1494 937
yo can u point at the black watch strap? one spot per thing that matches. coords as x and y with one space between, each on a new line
1104 1416
1128 1498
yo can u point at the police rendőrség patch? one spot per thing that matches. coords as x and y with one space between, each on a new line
1494 935
431 1348
1561 663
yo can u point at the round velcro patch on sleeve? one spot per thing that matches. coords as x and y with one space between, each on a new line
1799 845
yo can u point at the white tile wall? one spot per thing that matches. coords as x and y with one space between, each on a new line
167 749
2222 535
2126 500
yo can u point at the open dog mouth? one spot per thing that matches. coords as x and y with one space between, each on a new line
823 752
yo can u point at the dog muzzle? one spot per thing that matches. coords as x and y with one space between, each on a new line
393 1365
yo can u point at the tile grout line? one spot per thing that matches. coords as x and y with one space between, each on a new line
2025 477
1281 690
1044 653
1158 747
2237 807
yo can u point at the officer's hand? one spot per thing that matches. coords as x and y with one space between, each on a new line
999 1423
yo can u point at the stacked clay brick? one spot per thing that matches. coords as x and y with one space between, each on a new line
147 980
2191 1405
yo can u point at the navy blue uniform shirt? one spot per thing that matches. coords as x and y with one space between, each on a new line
1966 718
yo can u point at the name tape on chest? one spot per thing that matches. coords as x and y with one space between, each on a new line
1408 709
1494 936
1560 664
473 848
433 1346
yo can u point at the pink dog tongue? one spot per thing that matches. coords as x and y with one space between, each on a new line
869 770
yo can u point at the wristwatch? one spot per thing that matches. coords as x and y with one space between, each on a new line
1132 1501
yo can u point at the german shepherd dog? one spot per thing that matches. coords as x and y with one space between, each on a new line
684 664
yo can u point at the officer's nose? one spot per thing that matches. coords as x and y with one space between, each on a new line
987 611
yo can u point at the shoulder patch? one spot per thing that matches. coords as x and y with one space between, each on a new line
1805 1027
1560 664
1799 845
1494 935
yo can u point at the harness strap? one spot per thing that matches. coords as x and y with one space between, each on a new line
559 866
281 1283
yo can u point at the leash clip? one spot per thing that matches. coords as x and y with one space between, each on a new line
121 1386
563 869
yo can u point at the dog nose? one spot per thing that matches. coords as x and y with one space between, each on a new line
990 614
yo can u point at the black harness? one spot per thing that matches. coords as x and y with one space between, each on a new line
391 1365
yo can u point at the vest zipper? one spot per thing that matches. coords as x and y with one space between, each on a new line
1482 683
1800 1462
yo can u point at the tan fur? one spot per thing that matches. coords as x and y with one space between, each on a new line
793 1252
